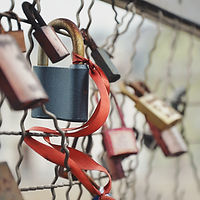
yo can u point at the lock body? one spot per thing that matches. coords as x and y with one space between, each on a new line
157 111
173 140
120 142
8 185
67 89
51 43
170 141
103 60
114 167
17 81
19 37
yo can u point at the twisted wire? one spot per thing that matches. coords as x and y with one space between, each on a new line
78 13
155 44
53 193
116 33
137 37
45 187
140 136
173 46
148 175
12 5
188 86
116 14
19 147
89 15
1 103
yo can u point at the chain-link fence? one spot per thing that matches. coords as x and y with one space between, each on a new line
162 56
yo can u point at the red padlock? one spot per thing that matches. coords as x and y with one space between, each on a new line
170 141
119 142
114 166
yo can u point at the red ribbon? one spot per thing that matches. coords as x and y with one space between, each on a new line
78 161
103 107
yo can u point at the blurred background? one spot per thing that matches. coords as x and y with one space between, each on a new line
165 57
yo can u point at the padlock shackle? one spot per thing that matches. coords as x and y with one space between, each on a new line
140 88
121 116
88 40
75 34
124 90
32 15
13 16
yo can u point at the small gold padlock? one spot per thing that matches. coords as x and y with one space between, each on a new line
158 112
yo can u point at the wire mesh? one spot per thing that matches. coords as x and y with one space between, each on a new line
168 65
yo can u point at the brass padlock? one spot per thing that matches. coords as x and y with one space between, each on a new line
119 142
101 58
45 35
67 87
8 185
17 81
18 35
170 141
155 110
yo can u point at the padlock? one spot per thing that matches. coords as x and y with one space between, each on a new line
101 58
8 186
114 167
170 141
158 112
67 87
45 35
17 81
18 35
119 142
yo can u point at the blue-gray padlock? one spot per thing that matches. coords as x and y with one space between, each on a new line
67 87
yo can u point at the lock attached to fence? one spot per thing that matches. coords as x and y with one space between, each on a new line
45 35
101 58
155 110
170 141
8 185
17 81
67 87
114 166
119 142
18 35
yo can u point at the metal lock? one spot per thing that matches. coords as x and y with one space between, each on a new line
45 35
67 87
114 167
156 111
170 141
8 186
18 35
17 81
119 142
101 58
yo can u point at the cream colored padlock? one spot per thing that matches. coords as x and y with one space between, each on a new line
158 112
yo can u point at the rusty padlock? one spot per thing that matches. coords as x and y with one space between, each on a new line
67 87
45 35
18 35
114 167
119 142
17 81
101 58
158 112
8 186
170 141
